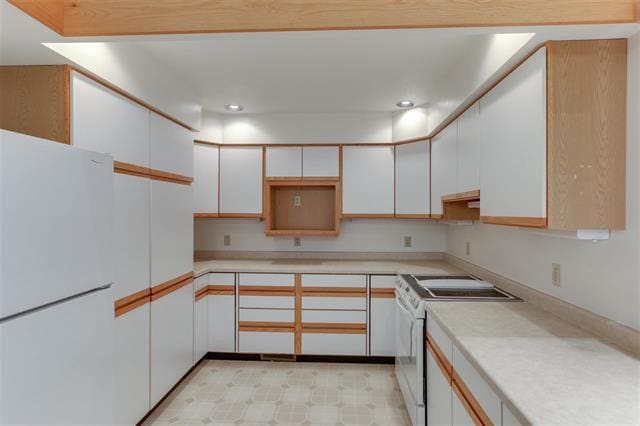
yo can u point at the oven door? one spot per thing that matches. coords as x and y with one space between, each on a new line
409 356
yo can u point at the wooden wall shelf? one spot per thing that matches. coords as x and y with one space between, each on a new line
456 206
315 215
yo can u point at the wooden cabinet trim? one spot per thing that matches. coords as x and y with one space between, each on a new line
203 292
131 302
205 215
527 222
271 290
221 290
266 327
334 292
383 293
467 405
146 172
170 286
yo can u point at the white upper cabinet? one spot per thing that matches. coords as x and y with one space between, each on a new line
412 178
368 180
321 161
205 178
444 166
171 146
284 161
241 180
514 169
104 121
469 149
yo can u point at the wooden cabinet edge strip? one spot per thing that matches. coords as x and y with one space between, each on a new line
527 222
131 302
383 293
146 172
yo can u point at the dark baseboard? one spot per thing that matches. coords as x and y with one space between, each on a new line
349 359
150 412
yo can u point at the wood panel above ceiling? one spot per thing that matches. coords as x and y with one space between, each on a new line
117 17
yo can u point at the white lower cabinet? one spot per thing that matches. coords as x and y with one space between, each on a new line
222 323
438 394
382 318
171 340
334 344
131 366
279 342
200 329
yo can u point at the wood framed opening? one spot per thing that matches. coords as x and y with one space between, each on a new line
302 208
461 206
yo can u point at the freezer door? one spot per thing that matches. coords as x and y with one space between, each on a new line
56 364
56 221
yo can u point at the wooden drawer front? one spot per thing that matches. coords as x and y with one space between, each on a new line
439 337
284 280
218 278
267 315
279 342
343 317
321 280
467 377
267 302
335 303
334 343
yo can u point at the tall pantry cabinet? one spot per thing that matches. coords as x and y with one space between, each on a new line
153 290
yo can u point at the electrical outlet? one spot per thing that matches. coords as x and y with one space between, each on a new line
297 242
227 240
556 274
407 241
467 248
297 201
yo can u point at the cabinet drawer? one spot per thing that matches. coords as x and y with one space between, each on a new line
334 343
383 281
267 315
222 323
477 387
266 342
248 279
335 303
218 278
323 280
268 302
342 317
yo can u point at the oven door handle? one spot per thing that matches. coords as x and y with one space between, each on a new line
404 308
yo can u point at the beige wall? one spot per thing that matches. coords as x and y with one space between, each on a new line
602 277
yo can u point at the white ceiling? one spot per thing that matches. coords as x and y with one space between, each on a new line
317 71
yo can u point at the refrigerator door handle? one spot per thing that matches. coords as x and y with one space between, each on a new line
54 303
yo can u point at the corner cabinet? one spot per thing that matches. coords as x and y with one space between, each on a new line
412 170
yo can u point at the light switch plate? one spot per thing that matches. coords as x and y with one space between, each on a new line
407 241
227 240
297 242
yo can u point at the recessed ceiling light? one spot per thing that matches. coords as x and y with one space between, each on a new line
234 108
405 104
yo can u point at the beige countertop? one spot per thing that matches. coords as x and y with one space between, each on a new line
325 266
546 370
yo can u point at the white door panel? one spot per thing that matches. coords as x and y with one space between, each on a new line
171 231
321 161
171 146
104 121
222 323
201 329
444 166
267 302
241 180
132 199
334 344
412 178
514 170
132 366
348 303
266 279
266 342
205 178
368 180
382 326
283 161
267 315
342 317
171 340
333 280
469 149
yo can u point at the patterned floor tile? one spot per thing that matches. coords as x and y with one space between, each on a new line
269 393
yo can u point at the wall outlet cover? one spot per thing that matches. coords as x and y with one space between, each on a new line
227 240
407 241
556 274
467 248
297 242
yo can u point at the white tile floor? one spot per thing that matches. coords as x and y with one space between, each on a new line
270 393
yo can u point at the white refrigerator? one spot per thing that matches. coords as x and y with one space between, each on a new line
56 271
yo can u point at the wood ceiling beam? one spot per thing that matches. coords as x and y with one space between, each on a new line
137 17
